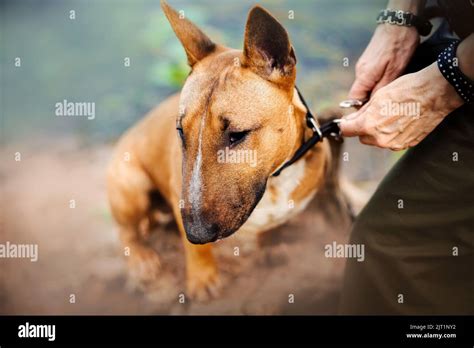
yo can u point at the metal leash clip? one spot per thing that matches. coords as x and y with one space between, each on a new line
329 129
352 103
332 128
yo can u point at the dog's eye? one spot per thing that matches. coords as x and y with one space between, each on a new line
181 133
237 137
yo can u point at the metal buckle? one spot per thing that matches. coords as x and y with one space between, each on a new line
391 21
315 127
401 19
382 17
339 134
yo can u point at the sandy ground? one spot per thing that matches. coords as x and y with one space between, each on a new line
79 253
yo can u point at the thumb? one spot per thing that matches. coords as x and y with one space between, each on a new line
360 89
351 125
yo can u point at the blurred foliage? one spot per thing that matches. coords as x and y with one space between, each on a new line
83 59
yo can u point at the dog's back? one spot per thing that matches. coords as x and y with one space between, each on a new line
142 163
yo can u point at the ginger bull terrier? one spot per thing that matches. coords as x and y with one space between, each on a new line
209 152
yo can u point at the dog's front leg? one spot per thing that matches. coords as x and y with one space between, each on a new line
144 262
202 277
128 189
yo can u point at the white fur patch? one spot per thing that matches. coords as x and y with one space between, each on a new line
268 213
195 186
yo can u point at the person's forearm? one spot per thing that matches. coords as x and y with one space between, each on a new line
413 6
465 54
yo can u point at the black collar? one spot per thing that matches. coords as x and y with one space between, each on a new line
330 128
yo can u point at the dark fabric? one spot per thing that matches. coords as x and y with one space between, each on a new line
460 14
409 250
428 51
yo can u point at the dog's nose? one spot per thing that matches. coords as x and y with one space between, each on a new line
201 234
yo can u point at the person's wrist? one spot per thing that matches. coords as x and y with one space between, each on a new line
464 53
397 35
448 65
406 13
433 78
405 19
397 31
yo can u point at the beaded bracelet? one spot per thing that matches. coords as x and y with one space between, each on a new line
448 64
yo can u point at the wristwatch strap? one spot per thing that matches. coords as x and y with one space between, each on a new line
406 19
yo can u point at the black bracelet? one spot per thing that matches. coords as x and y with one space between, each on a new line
448 64
406 19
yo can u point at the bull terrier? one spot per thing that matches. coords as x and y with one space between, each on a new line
180 152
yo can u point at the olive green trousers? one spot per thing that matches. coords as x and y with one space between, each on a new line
418 230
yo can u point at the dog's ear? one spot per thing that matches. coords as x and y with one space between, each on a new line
196 44
267 48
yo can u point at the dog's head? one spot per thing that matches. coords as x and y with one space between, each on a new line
238 122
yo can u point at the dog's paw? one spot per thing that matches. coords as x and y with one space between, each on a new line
144 264
203 284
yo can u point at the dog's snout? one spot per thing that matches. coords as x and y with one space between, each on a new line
200 233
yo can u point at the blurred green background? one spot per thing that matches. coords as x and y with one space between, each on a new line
82 59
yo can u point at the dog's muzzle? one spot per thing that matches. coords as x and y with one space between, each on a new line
201 233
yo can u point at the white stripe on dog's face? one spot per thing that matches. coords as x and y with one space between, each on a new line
195 186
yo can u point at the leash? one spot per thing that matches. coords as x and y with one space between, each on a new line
329 129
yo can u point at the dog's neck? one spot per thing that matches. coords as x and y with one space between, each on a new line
303 131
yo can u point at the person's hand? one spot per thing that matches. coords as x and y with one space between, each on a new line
405 111
384 59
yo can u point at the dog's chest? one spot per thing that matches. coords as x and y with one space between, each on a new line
277 206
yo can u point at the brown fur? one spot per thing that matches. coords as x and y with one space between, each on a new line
227 91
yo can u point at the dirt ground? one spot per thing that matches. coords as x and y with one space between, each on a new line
79 253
